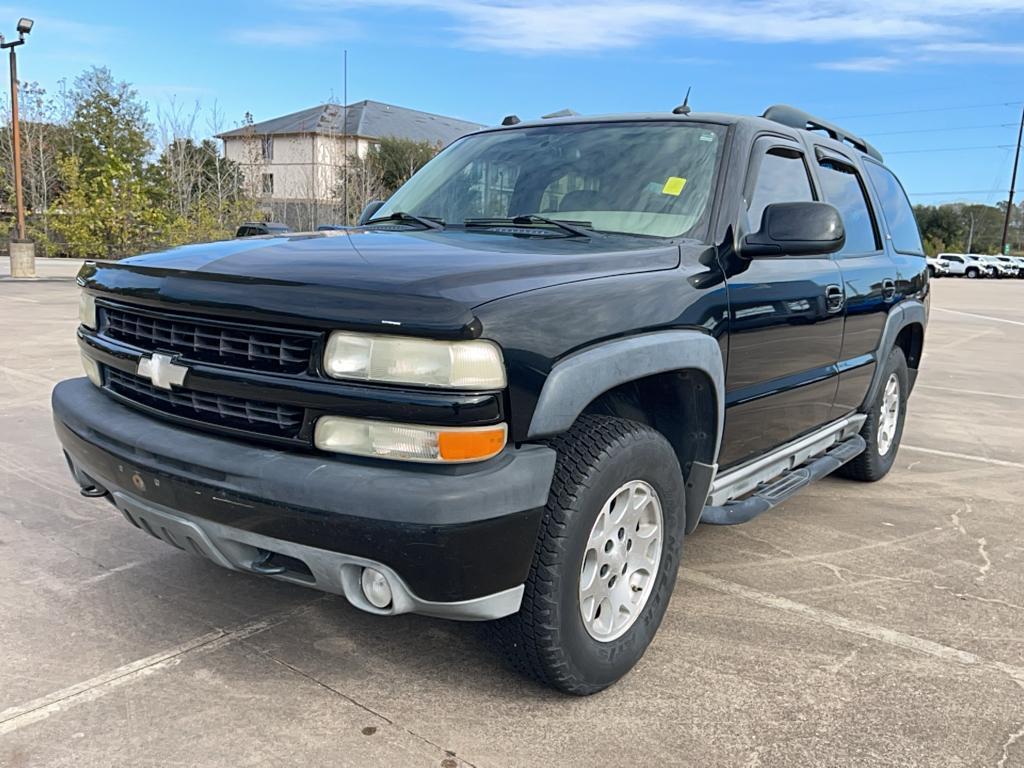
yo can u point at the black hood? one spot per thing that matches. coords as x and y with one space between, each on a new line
421 281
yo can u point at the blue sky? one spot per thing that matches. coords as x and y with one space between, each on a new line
937 86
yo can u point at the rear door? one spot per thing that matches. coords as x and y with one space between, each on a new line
785 321
902 235
869 275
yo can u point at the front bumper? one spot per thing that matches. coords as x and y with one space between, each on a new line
453 541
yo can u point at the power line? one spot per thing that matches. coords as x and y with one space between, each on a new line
943 130
932 109
956 192
948 149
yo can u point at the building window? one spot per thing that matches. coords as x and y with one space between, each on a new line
267 147
268 183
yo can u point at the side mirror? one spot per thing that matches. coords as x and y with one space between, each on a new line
795 229
371 208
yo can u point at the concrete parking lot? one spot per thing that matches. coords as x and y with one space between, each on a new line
856 625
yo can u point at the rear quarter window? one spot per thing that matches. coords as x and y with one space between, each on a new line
899 216
843 188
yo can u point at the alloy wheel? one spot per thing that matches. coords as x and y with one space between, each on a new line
622 560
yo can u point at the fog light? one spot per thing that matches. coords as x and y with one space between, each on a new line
376 588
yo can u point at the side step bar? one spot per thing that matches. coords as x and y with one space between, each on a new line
767 495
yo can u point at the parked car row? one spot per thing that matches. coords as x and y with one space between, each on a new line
975 266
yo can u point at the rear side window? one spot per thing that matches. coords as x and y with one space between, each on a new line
906 237
842 188
782 178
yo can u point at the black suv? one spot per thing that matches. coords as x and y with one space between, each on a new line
257 228
514 388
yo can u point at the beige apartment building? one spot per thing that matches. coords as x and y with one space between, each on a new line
296 162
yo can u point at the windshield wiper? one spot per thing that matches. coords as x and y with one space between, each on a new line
401 216
574 228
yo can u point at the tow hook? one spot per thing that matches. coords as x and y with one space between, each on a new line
93 491
263 566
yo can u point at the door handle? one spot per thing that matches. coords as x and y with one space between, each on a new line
888 289
835 298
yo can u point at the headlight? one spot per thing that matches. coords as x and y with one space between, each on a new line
408 442
92 370
87 310
475 364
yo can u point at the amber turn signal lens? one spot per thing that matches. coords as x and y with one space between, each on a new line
470 445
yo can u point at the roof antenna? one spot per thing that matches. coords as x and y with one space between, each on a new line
684 108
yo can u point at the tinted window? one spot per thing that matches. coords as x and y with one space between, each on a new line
782 178
906 238
842 187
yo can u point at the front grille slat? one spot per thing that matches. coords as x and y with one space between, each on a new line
210 341
216 410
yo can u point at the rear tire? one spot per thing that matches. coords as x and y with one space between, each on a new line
972 273
883 429
581 549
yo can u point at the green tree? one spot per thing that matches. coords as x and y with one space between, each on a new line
108 215
109 205
397 159
108 125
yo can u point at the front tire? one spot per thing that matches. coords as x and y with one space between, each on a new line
972 273
606 559
883 428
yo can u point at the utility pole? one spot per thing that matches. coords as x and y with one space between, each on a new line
1013 185
970 235
344 136
22 251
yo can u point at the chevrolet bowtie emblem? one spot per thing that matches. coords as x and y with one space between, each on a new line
162 371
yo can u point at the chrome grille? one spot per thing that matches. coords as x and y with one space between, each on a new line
210 341
216 410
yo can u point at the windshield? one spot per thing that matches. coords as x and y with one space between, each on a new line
652 179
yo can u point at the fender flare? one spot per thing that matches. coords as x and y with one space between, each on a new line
907 312
577 379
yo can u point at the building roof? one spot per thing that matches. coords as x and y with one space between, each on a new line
369 119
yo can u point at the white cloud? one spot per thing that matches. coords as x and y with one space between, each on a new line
532 26
863 64
295 35
980 49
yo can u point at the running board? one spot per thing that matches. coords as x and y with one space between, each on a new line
767 495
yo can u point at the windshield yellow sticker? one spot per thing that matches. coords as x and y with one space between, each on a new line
673 186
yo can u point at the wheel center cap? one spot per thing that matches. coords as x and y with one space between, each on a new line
618 554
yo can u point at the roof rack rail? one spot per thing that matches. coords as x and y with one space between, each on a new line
797 118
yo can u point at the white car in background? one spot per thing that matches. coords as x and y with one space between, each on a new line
976 266
969 265
956 264
937 266
999 268
1010 264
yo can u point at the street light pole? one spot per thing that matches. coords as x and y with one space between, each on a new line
22 251
19 196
